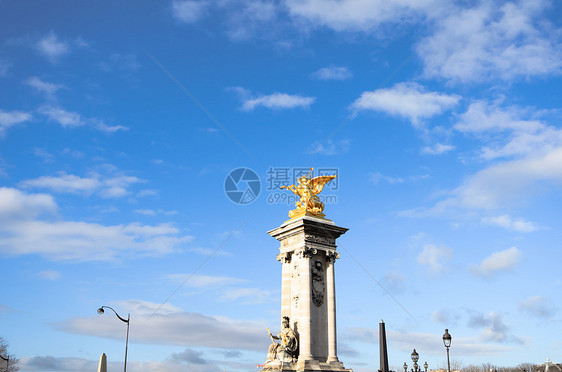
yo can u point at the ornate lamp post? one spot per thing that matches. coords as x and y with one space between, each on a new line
425 365
447 342
100 311
405 367
415 358
7 359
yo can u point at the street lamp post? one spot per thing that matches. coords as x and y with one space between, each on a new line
447 342
425 365
415 357
405 367
7 359
100 311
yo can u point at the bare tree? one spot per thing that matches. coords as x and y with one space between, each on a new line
525 367
13 365
489 367
456 365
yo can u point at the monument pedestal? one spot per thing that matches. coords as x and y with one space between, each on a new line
308 296
305 366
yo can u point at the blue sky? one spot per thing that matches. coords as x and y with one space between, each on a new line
120 121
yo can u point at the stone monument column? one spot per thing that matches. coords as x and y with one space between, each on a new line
307 255
302 313
308 340
331 289
285 259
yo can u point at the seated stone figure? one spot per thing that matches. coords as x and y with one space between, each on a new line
287 349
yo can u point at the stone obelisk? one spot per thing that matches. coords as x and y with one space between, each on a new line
102 366
308 295
382 348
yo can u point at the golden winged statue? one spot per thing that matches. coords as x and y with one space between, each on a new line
308 190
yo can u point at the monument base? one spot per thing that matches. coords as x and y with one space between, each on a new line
308 300
306 366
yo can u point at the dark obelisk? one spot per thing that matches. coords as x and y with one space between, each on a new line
382 348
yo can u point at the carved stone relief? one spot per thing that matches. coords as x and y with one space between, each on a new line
320 239
308 252
318 283
295 284
332 256
293 239
284 257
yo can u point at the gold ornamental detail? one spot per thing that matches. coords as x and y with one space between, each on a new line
307 190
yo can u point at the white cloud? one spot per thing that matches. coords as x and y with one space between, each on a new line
490 41
152 212
188 11
376 178
23 233
63 117
332 73
205 281
82 241
9 118
5 309
408 100
117 186
62 364
49 275
247 19
329 147
483 117
110 128
445 317
358 15
225 288
177 362
110 186
278 101
192 357
209 130
44 155
395 282
147 192
435 257
525 144
172 326
495 328
503 184
207 251
80 42
16 205
522 134
52 47
437 149
507 222
429 342
146 212
4 66
70 119
498 262
241 19
537 306
248 295
2 168
49 89
467 42
64 183
121 62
